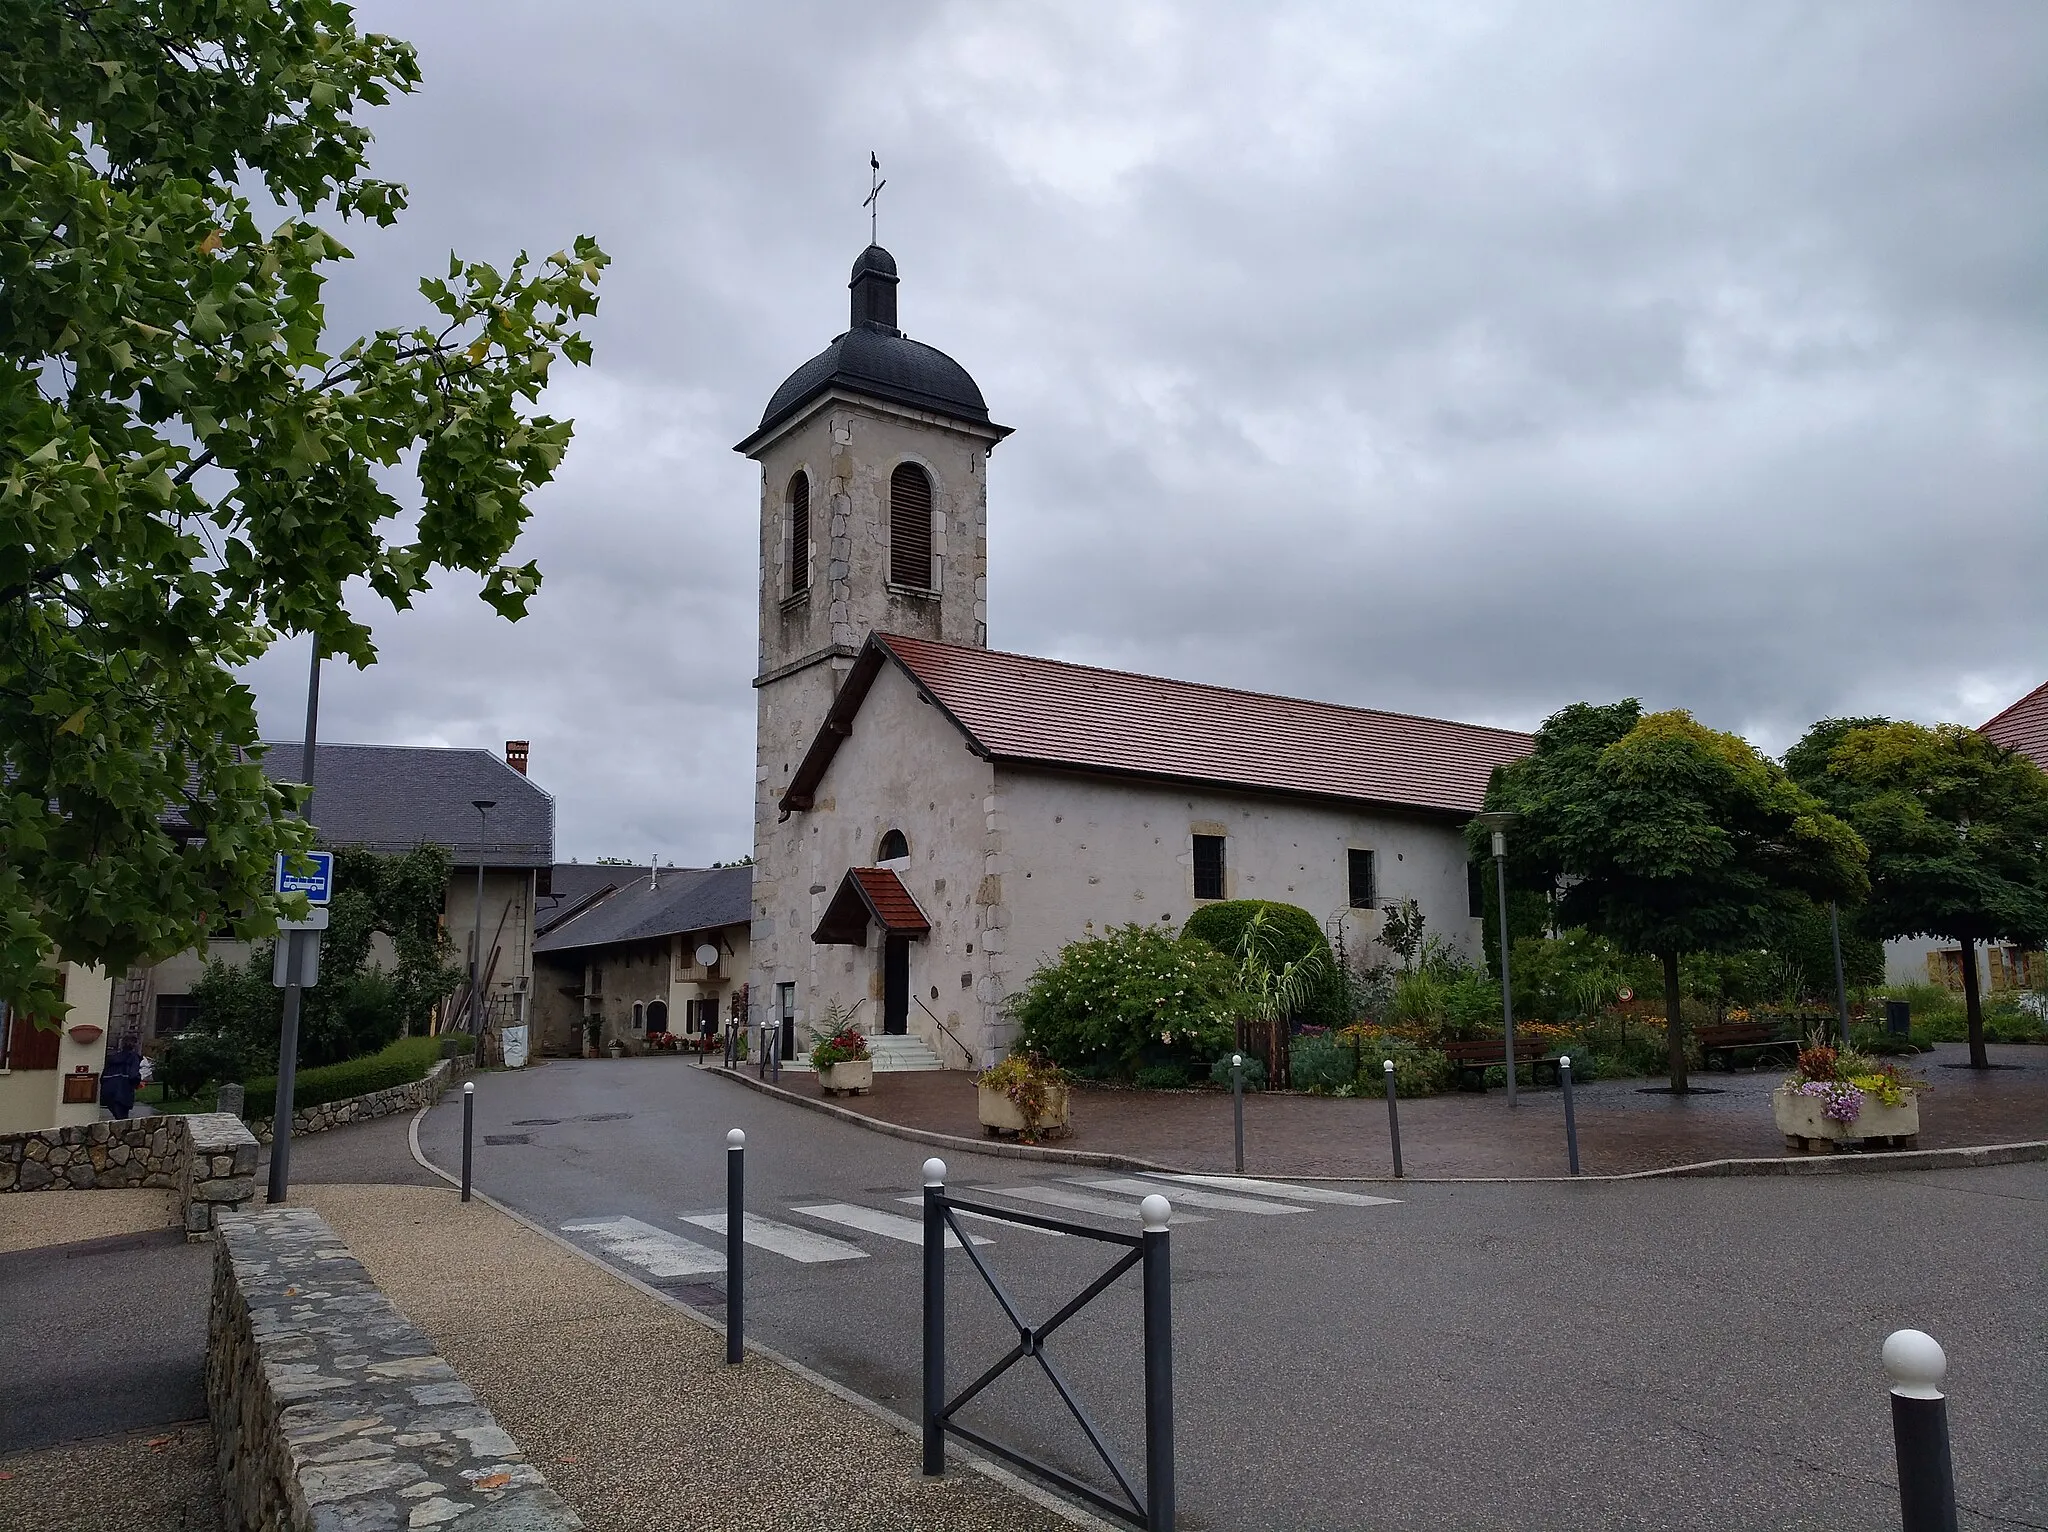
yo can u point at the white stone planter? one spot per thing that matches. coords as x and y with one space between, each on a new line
856 1077
999 1114
1806 1126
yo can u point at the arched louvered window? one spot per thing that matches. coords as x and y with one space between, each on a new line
799 534
910 527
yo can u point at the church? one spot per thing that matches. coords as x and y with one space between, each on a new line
933 818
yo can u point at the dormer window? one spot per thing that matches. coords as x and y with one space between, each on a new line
910 527
799 534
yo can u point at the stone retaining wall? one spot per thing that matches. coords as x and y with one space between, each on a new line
332 1410
208 1158
378 1103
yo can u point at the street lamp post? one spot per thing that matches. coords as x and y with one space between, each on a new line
1498 823
483 807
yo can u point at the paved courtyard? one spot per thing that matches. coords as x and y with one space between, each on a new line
1622 1126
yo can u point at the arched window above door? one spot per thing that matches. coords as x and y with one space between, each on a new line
895 844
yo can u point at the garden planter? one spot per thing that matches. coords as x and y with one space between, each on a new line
854 1077
1806 1125
616 1049
999 1114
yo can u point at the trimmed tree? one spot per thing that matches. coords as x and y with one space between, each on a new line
1958 833
1666 837
1287 934
190 468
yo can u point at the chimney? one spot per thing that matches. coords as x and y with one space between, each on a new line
515 755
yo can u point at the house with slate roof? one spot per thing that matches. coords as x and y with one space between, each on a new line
391 799
934 818
640 956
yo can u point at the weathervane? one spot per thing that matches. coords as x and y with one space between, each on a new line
873 204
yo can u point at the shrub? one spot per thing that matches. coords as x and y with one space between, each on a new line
1254 1072
1471 1004
1129 997
194 1060
403 1062
1292 934
846 1045
1419 1070
1163 1077
1321 1065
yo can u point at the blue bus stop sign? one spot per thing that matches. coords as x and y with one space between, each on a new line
317 884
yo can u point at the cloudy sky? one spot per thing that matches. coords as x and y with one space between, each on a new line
1461 359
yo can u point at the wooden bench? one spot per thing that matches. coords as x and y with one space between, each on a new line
1743 1037
1475 1058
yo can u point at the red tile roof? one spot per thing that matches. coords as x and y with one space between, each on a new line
1029 711
870 893
2024 726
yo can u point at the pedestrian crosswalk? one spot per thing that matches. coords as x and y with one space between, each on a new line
663 1254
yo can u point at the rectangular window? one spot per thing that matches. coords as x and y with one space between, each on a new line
174 1013
785 1002
29 1046
1208 867
1364 895
1475 891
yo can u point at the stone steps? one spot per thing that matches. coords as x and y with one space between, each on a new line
892 1055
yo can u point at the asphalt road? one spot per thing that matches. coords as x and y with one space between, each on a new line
1663 1354
103 1336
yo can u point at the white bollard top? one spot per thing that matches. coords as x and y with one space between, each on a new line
736 1139
469 1087
1155 1212
935 1172
1237 1061
1915 1363
1565 1061
1390 1066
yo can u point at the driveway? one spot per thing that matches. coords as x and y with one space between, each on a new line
1684 1354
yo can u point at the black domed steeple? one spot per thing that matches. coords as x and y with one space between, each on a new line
875 358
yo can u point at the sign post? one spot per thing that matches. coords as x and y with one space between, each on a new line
296 968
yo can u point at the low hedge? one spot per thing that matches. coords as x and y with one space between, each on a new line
407 1060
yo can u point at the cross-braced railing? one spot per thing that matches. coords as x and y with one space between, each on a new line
1153 1509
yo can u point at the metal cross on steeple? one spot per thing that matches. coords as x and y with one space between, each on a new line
873 203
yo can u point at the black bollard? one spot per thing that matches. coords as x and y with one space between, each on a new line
1237 1103
1914 1362
934 1317
468 1131
1157 1216
1571 1123
735 1247
1393 1118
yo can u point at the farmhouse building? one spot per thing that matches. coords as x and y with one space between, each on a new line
933 818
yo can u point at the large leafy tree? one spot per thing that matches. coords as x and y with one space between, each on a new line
1666 837
190 468
1957 827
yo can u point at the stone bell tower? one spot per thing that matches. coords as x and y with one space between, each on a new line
874 518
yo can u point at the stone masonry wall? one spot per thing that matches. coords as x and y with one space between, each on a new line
330 1408
377 1103
208 1158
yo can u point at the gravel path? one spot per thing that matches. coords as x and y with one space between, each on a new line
147 1481
626 1404
37 1220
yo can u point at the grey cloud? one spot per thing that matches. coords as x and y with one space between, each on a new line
1469 360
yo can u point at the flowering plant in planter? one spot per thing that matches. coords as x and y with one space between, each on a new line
1835 1093
847 1045
1034 1087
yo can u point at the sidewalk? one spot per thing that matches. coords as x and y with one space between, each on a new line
1622 1126
627 1404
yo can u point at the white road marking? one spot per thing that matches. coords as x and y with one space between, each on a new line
990 1218
1286 1189
1217 1200
1080 1202
655 1251
783 1239
869 1221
